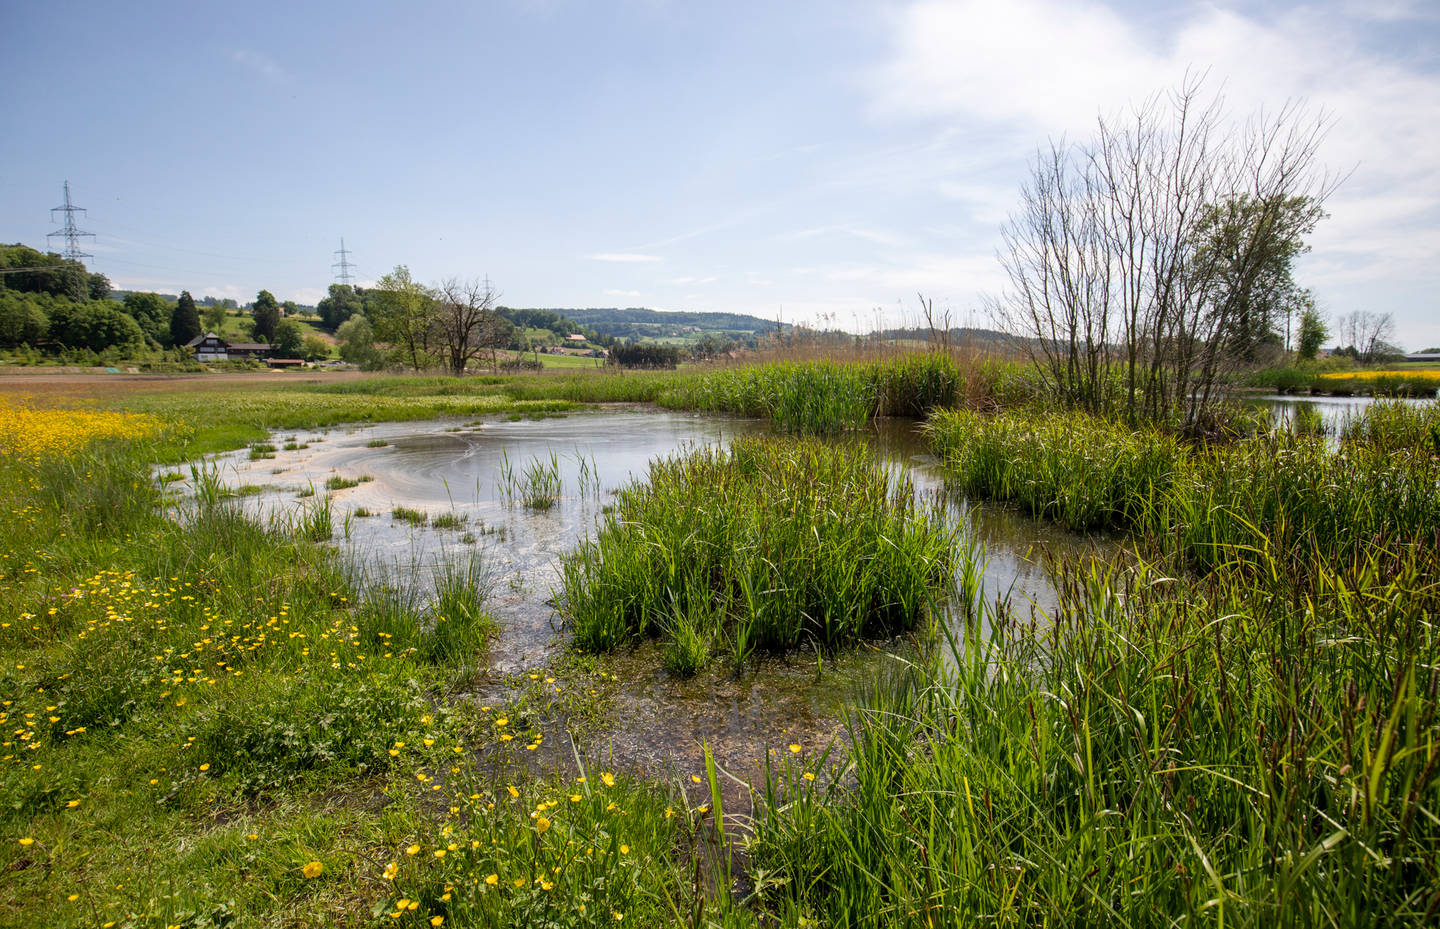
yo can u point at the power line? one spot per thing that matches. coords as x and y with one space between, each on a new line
343 266
68 230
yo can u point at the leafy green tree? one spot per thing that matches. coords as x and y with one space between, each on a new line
1312 335
185 320
1249 245
404 315
289 339
153 313
342 304
23 321
265 315
98 286
98 325
46 273
357 343
315 348
215 317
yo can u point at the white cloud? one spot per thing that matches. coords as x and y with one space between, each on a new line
1019 72
260 64
234 292
622 257
683 281
623 293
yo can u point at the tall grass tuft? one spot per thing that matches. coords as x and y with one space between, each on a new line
1072 468
825 397
765 545
1161 752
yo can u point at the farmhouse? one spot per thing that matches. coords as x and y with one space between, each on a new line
210 347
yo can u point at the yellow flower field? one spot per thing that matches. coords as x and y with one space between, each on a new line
32 433
1431 375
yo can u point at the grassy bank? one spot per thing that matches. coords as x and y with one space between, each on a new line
765 545
1325 380
826 398
1163 752
1246 733
1284 496
209 723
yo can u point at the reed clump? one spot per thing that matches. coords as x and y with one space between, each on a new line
1159 751
765 545
826 397
1076 469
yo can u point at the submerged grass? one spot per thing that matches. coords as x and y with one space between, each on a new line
765 545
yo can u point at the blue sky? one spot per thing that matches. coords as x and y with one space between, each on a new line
823 161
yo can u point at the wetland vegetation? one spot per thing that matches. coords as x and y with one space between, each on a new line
213 719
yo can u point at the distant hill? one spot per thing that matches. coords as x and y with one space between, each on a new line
640 323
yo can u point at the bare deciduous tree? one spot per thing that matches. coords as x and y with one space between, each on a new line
467 323
1366 332
1135 260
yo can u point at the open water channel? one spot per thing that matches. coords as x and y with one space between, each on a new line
458 468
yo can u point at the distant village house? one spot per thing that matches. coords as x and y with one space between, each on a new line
210 347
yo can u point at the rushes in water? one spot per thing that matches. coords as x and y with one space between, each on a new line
536 487
824 397
762 546
1160 752
540 483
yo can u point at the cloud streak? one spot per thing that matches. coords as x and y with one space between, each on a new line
623 257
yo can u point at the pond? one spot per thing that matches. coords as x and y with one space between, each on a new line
470 477
1332 412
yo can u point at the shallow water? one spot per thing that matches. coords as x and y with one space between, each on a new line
458 468
1333 411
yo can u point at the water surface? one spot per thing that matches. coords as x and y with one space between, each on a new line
459 469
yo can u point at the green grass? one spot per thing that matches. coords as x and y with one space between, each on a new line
1083 472
164 670
824 397
1160 752
405 514
1244 731
448 521
765 546
1276 496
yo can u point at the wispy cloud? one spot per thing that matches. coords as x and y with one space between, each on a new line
260 63
623 293
876 236
623 257
992 68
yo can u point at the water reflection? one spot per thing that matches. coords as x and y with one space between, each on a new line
1330 412
459 470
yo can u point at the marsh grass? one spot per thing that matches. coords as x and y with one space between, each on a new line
766 545
1276 496
406 514
537 486
825 397
1159 751
1078 470
448 521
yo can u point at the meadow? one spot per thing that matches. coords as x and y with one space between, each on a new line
210 720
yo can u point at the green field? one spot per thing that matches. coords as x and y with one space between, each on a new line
210 722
